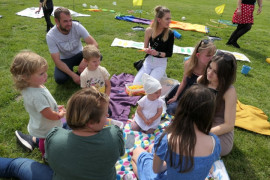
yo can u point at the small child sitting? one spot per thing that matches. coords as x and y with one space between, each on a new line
94 74
149 110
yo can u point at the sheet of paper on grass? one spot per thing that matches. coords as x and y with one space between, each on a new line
176 49
30 12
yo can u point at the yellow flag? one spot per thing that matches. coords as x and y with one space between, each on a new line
137 2
220 9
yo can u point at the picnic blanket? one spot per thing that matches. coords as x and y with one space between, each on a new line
252 119
176 49
247 117
30 12
189 26
173 24
133 19
124 167
120 102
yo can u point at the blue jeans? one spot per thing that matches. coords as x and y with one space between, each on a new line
24 169
61 77
171 108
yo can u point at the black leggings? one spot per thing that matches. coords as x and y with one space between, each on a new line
240 31
47 15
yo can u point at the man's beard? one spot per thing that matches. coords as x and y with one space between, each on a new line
63 29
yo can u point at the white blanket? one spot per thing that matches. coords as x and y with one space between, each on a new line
176 49
31 12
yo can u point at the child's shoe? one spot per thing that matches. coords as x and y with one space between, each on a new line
26 141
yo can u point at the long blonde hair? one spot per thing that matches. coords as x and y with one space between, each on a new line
203 45
44 3
160 12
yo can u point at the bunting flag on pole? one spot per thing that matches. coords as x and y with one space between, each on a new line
218 9
137 2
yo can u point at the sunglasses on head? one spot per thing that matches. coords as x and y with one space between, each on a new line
202 42
225 56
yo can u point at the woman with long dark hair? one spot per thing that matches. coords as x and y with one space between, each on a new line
186 149
220 74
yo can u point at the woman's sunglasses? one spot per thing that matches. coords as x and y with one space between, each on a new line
203 42
226 56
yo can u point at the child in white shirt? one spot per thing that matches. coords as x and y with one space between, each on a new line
149 110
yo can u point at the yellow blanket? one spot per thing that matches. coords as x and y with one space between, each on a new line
188 26
252 119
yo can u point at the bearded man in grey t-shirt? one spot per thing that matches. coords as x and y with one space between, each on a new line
65 46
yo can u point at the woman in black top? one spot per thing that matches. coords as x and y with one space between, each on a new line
158 45
47 7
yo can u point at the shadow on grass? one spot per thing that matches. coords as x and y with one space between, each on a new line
253 53
247 75
64 91
238 166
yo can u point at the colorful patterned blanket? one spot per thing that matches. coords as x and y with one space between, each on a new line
124 167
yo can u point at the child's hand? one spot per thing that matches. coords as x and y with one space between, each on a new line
146 122
62 113
37 12
151 120
62 107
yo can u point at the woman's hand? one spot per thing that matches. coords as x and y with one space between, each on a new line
172 100
150 51
259 10
239 12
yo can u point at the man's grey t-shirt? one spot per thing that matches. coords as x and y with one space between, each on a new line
67 45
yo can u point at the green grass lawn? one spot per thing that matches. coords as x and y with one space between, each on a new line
249 158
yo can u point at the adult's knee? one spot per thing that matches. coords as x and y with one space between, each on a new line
135 126
61 79
136 153
59 76
171 108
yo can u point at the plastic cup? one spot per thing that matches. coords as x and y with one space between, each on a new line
245 69
177 34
